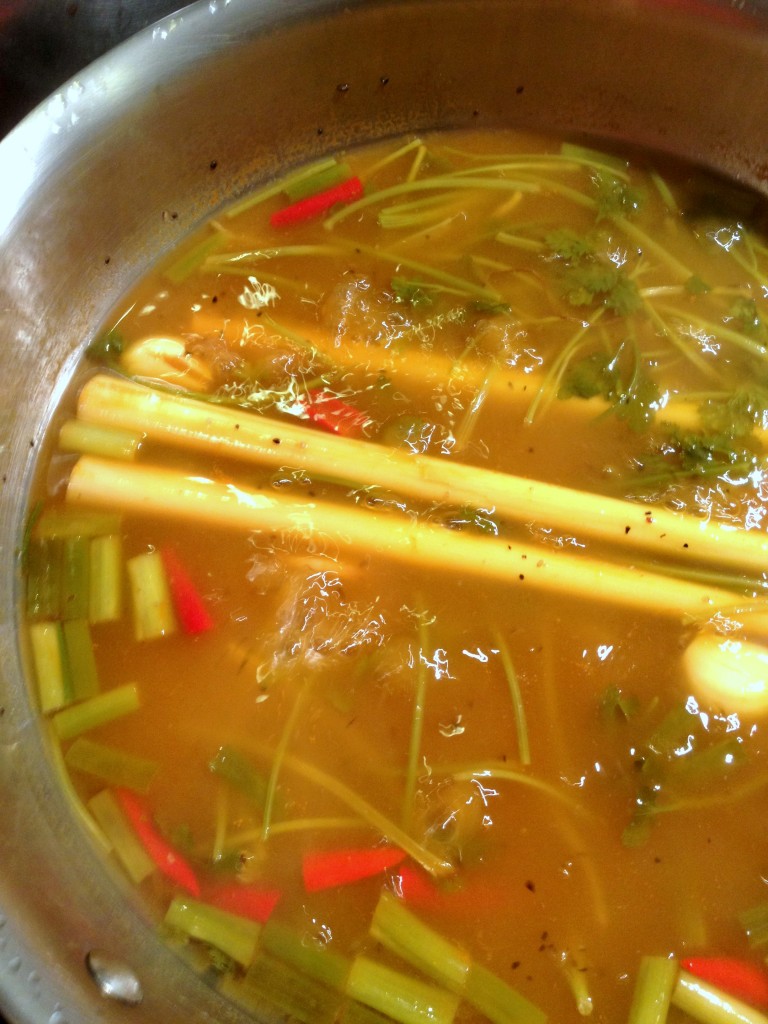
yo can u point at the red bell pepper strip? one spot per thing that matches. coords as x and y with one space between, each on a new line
312 206
190 607
334 414
168 860
251 901
739 978
329 869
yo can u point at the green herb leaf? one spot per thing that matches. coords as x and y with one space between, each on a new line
615 197
414 293
107 348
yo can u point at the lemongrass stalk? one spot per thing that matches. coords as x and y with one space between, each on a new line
233 935
58 523
181 421
89 714
710 1005
170 493
125 843
76 436
402 998
113 766
656 978
49 659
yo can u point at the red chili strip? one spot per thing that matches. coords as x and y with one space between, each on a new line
334 414
328 869
168 860
251 901
312 206
190 607
739 978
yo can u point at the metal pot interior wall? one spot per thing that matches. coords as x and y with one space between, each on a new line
133 153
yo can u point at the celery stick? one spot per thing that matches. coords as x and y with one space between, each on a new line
230 764
397 928
518 707
76 436
594 158
498 1001
754 921
268 982
325 177
68 522
114 766
192 259
404 999
125 843
233 935
665 192
280 186
105 590
656 979
417 726
152 607
75 578
48 656
96 711
711 1005
81 659
318 962
277 763
44 578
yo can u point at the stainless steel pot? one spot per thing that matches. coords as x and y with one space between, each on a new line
131 154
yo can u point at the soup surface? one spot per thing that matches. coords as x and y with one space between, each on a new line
395 590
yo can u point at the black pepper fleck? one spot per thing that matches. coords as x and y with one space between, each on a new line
521 576
384 80
213 164
520 90
342 87
627 529
107 259
320 131
275 440
530 886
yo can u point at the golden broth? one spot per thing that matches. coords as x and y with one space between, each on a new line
541 743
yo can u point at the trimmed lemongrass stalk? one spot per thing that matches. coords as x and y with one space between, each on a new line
251 438
655 983
710 1005
111 765
167 493
89 714
233 935
153 614
125 843
76 436
404 999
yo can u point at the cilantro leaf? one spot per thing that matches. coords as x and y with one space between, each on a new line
600 375
414 293
567 245
615 197
744 311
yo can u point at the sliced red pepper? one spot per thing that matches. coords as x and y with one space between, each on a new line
334 414
190 607
739 978
312 206
251 901
168 860
329 869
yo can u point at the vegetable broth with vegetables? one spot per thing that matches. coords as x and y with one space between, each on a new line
396 590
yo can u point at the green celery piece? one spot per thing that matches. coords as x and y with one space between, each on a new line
75 578
322 179
81 659
107 348
105 589
500 1003
656 978
406 935
754 921
125 843
403 998
96 711
260 196
43 578
153 613
615 704
317 962
194 258
270 982
51 671
711 1005
113 766
234 767
233 935
67 522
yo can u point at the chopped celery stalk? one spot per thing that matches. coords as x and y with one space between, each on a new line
521 725
655 982
397 928
233 935
417 726
105 591
43 578
75 578
76 436
498 1001
665 192
110 764
754 921
268 982
237 770
710 1005
96 711
404 999
325 177
280 186
125 843
192 259
277 763
80 659
520 242
67 522
48 655
594 158
314 961
153 613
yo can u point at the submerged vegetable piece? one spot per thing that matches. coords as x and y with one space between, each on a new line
739 978
168 860
315 205
327 869
190 607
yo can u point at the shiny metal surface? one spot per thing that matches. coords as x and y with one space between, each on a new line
130 154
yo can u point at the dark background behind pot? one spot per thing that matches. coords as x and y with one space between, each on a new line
43 43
